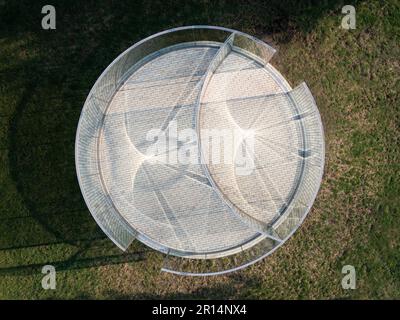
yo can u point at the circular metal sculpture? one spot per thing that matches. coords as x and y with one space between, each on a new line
147 168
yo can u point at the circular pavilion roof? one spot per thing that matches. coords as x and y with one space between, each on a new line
191 142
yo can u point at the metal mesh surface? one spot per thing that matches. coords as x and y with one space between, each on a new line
209 218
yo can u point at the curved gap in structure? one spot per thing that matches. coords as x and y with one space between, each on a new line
217 266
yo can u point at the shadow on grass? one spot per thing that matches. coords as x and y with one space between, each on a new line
42 128
41 158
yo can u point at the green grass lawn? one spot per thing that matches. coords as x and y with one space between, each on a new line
45 77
